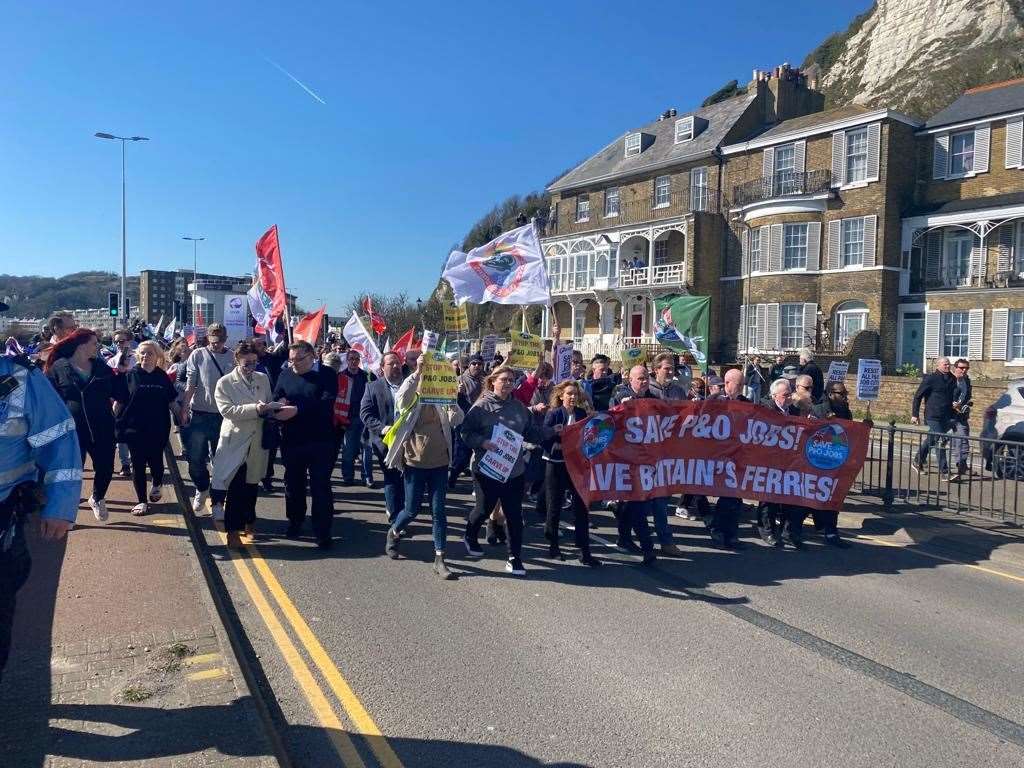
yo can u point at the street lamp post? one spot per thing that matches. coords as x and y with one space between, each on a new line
195 271
124 256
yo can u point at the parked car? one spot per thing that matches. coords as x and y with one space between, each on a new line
1004 420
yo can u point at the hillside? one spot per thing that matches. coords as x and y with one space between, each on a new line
35 296
917 56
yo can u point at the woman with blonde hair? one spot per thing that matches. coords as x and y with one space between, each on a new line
143 421
568 406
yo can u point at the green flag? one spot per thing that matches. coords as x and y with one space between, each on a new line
682 325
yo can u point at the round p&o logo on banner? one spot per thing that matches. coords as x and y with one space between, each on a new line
827 447
597 434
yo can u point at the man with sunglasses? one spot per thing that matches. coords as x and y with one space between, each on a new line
308 446
470 383
938 391
959 449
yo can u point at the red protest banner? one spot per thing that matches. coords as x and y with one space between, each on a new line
648 448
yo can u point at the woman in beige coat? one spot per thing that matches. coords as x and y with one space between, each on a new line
243 398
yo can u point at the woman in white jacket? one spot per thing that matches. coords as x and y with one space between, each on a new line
243 398
422 451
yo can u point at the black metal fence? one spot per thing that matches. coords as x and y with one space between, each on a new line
782 184
991 486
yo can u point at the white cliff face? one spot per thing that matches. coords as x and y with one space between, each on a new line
907 50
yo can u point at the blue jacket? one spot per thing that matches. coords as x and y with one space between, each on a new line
37 436
553 445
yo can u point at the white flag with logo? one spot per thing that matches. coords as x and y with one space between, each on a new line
169 330
508 270
357 337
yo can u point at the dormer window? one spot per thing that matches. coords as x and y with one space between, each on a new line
684 129
632 144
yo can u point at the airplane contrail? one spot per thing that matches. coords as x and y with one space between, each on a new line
296 80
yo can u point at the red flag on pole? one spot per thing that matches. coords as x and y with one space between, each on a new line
308 328
379 326
270 271
404 344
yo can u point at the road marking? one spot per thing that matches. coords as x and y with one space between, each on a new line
303 675
911 548
203 658
364 724
167 522
208 674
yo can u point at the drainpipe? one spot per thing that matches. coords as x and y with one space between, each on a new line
717 152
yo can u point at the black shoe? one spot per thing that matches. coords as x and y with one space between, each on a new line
268 485
391 544
767 536
441 569
718 540
347 482
126 470
492 533
796 544
369 483
735 545
834 540
515 566
555 553
590 560
650 559
324 542
293 532
502 533
627 545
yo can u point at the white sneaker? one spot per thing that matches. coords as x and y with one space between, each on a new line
199 502
156 493
218 513
99 509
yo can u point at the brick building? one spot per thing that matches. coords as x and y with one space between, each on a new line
962 277
159 290
642 218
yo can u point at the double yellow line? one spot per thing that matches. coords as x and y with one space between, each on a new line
360 720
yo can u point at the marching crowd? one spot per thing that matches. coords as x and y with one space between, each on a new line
237 409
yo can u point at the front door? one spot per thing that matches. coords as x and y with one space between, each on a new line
912 339
636 325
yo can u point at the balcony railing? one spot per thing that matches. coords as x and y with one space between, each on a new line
568 221
783 184
640 277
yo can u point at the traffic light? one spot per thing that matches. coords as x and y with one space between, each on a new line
113 303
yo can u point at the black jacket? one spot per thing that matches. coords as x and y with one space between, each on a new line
624 392
791 410
313 393
145 415
377 410
938 390
90 401
963 398
817 379
553 445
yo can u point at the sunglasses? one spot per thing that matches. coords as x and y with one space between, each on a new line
963 367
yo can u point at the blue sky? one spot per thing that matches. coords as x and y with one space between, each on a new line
434 113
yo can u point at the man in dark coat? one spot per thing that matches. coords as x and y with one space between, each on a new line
938 390
377 411
810 368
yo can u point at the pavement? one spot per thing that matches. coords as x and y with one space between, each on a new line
119 657
903 650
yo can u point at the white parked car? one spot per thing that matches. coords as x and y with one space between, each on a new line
1004 420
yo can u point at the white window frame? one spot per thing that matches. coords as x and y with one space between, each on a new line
660 258
684 129
1014 315
786 229
756 253
856 133
949 242
954 174
784 178
845 238
699 193
582 208
751 319
612 193
841 338
633 144
1017 265
964 322
662 184
602 259
799 308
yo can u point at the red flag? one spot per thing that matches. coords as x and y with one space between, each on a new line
270 271
404 344
308 328
379 326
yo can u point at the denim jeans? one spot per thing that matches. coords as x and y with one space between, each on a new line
659 509
435 483
937 429
352 445
201 445
394 489
124 455
959 450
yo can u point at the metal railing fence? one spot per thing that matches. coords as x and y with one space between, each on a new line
990 488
